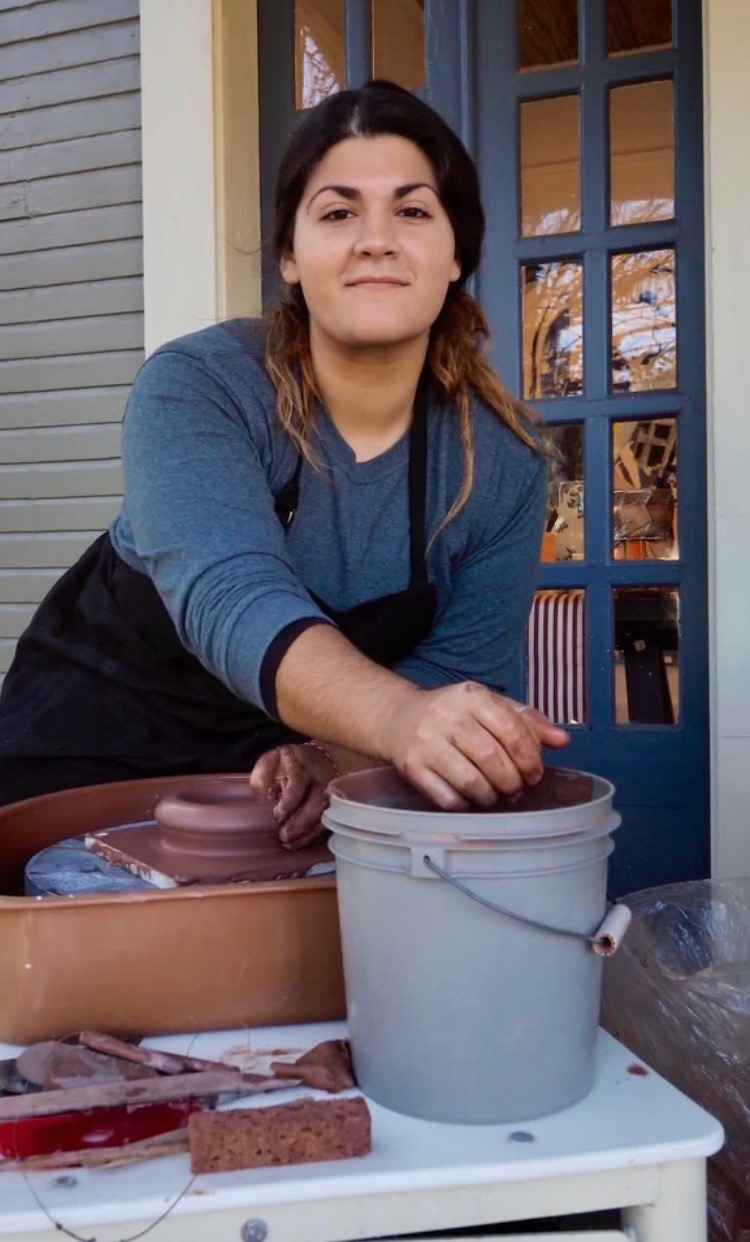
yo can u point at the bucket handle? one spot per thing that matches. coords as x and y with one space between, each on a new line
605 941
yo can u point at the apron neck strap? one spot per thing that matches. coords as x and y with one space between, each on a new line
418 481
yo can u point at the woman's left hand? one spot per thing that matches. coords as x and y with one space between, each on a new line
296 777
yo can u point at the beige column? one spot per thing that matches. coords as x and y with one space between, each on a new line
727 107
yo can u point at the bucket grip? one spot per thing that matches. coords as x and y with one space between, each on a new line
605 941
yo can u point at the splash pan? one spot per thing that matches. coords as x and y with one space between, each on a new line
148 962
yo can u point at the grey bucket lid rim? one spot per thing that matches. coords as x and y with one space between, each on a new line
476 825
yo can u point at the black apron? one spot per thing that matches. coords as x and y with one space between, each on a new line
101 688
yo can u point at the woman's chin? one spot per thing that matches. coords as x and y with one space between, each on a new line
378 335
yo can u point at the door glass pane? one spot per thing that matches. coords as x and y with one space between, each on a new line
647 666
639 25
320 59
398 42
556 655
563 538
550 166
644 485
552 329
641 140
644 352
547 33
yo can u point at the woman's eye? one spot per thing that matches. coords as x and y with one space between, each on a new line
415 213
338 213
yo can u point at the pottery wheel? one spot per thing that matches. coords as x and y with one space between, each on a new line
212 831
140 851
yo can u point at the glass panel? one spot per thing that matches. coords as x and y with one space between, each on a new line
320 58
644 485
643 321
552 329
647 665
398 42
563 538
641 139
550 166
547 33
556 655
635 26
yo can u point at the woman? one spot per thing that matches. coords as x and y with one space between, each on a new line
331 522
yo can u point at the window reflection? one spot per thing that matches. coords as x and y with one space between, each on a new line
635 26
647 663
644 485
556 655
398 42
552 329
641 132
550 166
644 352
320 58
547 33
563 538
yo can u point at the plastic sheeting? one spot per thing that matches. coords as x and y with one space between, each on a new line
678 995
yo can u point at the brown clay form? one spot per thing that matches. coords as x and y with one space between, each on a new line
210 832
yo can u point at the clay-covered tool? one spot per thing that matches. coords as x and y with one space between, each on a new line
151 1058
140 1091
11 1082
53 1064
326 1067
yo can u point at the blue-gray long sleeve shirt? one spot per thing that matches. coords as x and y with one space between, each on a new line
204 458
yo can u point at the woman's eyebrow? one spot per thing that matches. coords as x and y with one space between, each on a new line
351 193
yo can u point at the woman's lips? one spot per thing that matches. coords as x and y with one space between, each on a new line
377 284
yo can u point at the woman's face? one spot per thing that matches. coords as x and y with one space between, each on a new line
373 248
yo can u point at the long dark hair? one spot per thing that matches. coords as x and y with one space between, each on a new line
457 355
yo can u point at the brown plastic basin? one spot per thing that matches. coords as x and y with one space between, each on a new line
147 963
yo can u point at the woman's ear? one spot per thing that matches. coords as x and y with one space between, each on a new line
455 271
288 269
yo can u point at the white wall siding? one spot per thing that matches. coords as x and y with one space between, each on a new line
71 283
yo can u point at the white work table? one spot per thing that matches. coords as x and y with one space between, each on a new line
635 1143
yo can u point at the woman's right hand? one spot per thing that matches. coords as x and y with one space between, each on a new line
463 744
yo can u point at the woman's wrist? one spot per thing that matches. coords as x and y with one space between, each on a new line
399 697
325 752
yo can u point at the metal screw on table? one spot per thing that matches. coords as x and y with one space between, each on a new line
254 1231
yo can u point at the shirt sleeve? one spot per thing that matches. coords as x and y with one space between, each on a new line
478 634
202 516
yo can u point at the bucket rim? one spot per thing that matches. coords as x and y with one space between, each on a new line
397 821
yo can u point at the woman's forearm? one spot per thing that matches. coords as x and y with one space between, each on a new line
327 689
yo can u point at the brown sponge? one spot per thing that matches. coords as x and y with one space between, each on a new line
297 1133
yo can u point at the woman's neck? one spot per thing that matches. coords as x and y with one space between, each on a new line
368 393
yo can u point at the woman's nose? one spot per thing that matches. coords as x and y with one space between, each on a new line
376 237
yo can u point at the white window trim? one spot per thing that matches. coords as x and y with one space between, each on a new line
201 208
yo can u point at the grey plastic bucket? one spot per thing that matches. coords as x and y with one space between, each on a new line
458 1013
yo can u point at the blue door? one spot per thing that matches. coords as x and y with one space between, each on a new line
585 118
